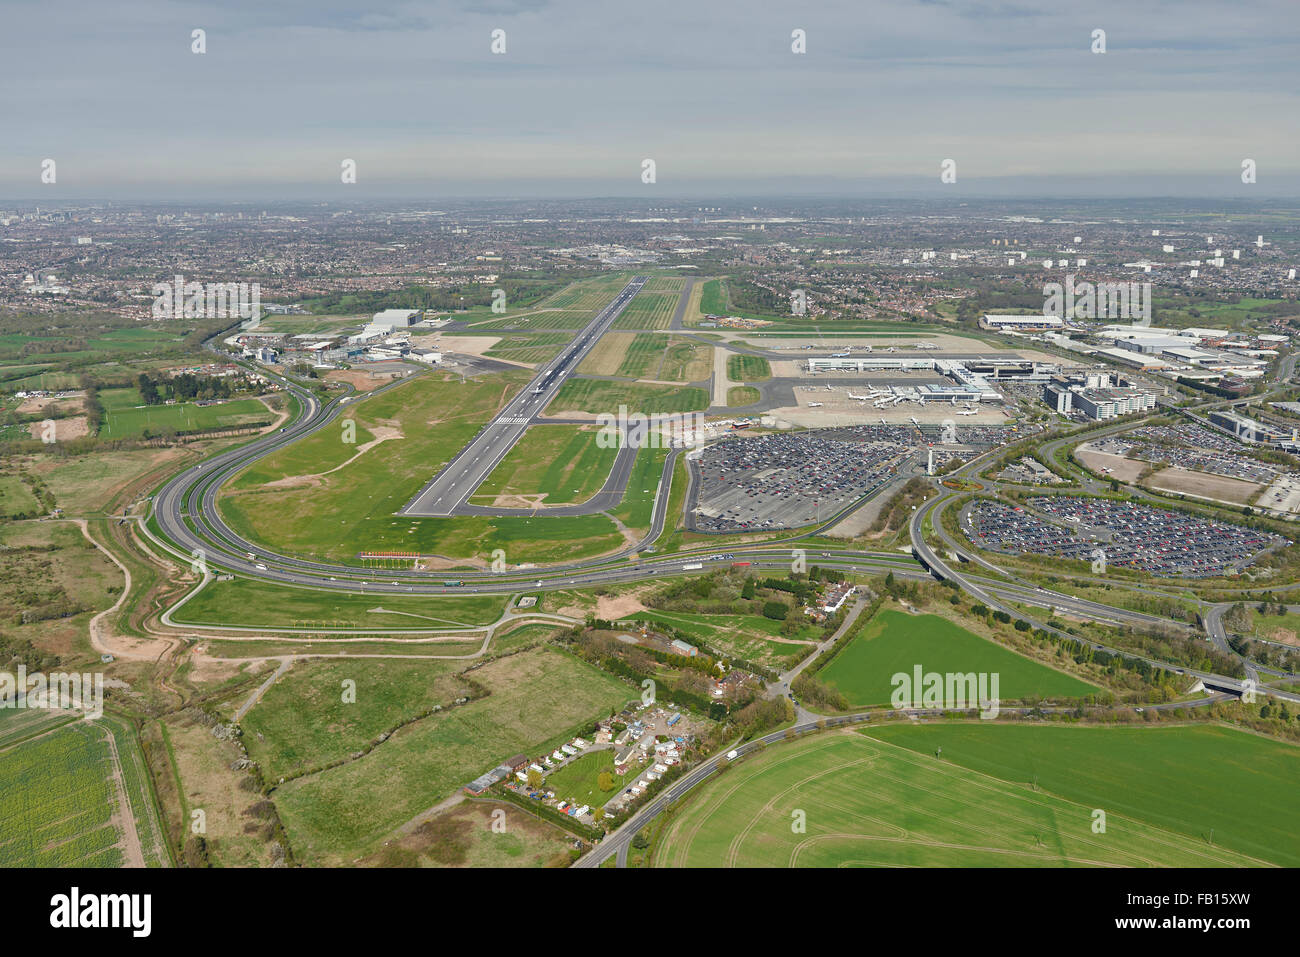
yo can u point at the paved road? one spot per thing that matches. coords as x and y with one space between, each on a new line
446 493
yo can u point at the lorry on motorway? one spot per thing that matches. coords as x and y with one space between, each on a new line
452 584
741 564
693 567
732 755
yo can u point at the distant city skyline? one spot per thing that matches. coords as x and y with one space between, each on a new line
586 91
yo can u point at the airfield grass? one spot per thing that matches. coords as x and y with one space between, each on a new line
578 781
635 511
685 361
252 603
1192 780
57 799
713 300
542 319
125 417
588 295
535 698
741 395
304 722
649 310
339 515
599 395
894 641
643 354
539 347
870 803
742 368
607 355
562 462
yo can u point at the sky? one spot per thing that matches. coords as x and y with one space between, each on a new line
710 90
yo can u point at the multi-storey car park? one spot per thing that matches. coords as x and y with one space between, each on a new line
1153 540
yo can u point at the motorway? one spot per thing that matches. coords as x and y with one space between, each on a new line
447 492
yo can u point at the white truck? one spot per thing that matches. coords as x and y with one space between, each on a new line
732 755
693 567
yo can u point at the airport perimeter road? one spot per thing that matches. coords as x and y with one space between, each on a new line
451 487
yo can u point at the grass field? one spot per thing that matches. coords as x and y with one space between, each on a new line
541 347
598 395
1190 780
250 603
542 319
579 781
280 500
563 463
685 361
742 368
479 833
649 310
59 803
713 298
749 637
740 395
864 802
534 698
16 497
303 721
125 417
895 641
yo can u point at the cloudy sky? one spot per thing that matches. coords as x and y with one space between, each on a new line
588 89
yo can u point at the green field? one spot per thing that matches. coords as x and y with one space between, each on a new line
649 310
125 417
535 699
540 347
713 298
744 368
598 395
686 361
59 806
749 637
742 395
895 641
1193 780
869 803
16 497
560 462
578 781
281 499
251 603
643 355
303 721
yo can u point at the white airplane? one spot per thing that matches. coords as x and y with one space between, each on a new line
815 405
897 399
882 421
880 403
860 398
840 355
922 401
915 423
967 411
891 349
954 400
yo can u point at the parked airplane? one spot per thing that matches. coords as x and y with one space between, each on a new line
840 355
915 423
860 398
967 411
880 403
898 398
815 405
954 400
891 349
922 401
